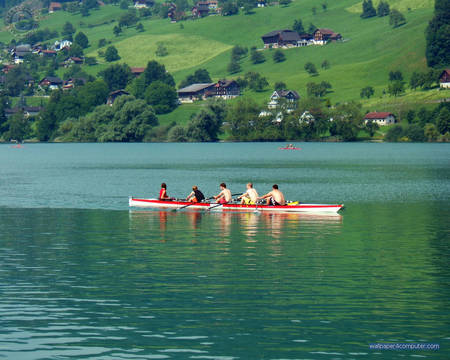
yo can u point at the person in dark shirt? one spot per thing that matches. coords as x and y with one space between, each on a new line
196 195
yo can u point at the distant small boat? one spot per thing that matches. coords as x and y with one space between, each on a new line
289 148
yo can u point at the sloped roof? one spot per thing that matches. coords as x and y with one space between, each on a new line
196 87
378 115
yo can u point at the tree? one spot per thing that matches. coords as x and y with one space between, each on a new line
128 19
395 75
67 31
325 64
298 26
111 54
161 50
311 69
82 40
117 30
383 9
312 28
18 127
367 92
157 72
318 90
238 52
242 115
200 76
15 80
140 27
394 133
278 56
415 81
415 132
92 94
124 4
84 11
396 88
229 8
371 127
431 132
324 6
367 9
90 60
347 121
396 18
204 126
116 76
75 51
255 81
233 67
443 121
257 57
438 35
279 86
285 2
161 96
102 42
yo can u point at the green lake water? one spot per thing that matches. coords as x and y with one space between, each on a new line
83 277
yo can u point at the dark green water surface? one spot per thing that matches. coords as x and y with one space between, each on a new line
82 277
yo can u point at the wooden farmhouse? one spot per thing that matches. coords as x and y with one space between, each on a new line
51 82
444 79
281 38
194 92
226 89
54 6
114 95
381 118
322 36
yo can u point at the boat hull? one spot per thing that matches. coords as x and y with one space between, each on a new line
300 208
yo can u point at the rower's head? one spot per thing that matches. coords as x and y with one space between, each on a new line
194 188
249 185
164 186
223 186
275 186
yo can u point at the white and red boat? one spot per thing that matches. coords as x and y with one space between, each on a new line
294 207
289 148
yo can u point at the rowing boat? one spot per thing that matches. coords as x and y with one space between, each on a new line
293 207
289 148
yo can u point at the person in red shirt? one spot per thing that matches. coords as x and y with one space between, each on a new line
163 193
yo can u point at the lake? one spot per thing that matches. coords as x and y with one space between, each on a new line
84 277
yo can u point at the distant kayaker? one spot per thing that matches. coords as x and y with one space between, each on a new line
275 197
163 193
250 196
196 195
224 196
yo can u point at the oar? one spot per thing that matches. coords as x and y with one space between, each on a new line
192 203
212 207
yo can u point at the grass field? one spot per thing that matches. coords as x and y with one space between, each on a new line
371 48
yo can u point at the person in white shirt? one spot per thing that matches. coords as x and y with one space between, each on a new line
250 196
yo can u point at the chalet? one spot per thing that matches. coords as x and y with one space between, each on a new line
213 5
195 92
381 118
72 82
444 79
54 6
61 45
290 97
226 89
281 38
114 95
136 71
27 111
73 61
51 82
6 68
143 4
261 3
20 52
322 36
48 53
201 9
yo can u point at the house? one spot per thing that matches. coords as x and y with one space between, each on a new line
61 45
226 89
322 36
27 111
261 3
54 6
73 60
51 82
213 5
72 82
444 79
201 9
281 38
20 52
290 97
381 118
136 71
114 95
48 53
6 68
195 92
306 117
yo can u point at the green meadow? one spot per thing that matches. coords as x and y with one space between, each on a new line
370 49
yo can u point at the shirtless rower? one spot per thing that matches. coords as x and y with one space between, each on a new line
224 196
275 197
250 196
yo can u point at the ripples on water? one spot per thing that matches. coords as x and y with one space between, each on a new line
81 283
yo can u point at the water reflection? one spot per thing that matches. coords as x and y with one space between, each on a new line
224 224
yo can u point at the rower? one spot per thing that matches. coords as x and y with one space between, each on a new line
275 197
163 193
224 196
196 195
250 196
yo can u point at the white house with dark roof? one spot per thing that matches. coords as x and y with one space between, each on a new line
291 97
381 118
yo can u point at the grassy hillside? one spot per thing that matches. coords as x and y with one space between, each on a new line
371 48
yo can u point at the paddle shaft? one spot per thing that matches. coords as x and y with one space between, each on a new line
192 203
